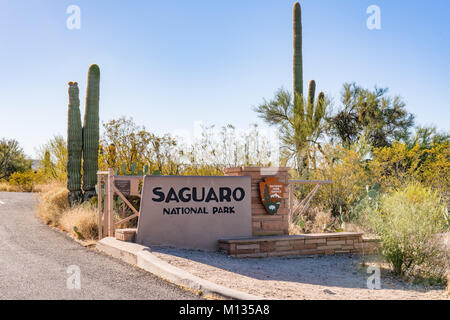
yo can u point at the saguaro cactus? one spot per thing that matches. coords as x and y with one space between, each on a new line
91 133
74 145
298 55
314 112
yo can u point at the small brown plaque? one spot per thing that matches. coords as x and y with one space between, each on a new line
271 191
123 186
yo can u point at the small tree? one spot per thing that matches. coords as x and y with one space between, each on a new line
380 118
53 159
395 166
347 168
301 126
12 158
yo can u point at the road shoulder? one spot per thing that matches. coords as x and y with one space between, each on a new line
143 258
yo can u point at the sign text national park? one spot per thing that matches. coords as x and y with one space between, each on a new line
194 212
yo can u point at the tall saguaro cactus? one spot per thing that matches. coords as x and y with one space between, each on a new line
308 113
74 145
298 55
91 133
314 112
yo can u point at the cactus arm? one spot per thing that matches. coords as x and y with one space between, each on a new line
74 145
91 132
311 95
320 109
298 57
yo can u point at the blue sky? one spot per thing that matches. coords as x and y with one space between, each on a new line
168 64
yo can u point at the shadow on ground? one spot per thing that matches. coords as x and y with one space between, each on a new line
345 271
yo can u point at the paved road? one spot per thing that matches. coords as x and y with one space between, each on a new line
34 261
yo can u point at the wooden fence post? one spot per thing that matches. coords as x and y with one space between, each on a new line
100 206
110 203
291 200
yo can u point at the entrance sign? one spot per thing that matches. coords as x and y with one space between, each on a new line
271 191
194 212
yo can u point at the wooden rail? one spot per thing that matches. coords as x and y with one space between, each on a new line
306 202
106 224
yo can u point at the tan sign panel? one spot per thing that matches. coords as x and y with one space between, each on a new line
194 212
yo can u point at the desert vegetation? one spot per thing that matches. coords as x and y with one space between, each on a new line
398 191
390 177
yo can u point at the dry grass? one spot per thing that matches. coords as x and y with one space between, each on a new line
322 221
52 204
6 187
314 220
295 229
80 221
448 284
49 186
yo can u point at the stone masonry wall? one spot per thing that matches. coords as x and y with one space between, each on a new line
263 223
308 244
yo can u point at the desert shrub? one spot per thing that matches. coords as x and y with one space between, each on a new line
6 187
407 222
435 169
370 200
346 168
323 222
80 221
124 142
314 220
52 204
393 167
396 166
53 160
25 181
12 158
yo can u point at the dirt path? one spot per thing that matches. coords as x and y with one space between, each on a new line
34 261
326 277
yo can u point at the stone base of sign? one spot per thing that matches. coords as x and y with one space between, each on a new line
308 244
128 235
264 224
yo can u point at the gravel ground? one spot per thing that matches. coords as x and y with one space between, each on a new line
320 277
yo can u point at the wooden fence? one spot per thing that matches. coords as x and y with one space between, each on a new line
122 186
306 202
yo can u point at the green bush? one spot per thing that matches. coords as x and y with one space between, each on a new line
25 181
407 221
